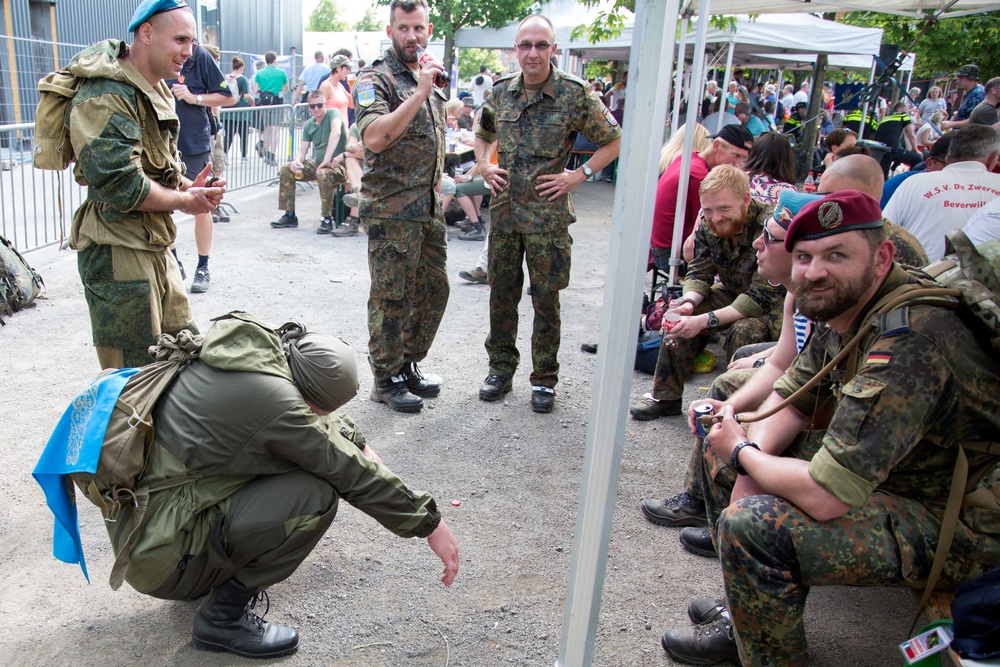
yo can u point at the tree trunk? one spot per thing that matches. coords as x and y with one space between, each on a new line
449 57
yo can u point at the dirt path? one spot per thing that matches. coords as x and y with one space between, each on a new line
365 597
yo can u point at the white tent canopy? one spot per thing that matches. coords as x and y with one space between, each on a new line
808 61
907 8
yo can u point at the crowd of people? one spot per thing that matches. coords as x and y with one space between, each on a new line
839 483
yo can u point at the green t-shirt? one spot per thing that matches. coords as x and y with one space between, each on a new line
271 79
319 134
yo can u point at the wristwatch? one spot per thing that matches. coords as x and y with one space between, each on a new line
588 172
197 98
734 460
713 321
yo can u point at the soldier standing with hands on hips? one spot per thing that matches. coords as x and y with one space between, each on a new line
401 117
533 117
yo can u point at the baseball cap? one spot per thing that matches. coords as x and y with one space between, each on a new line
735 134
837 212
339 61
969 72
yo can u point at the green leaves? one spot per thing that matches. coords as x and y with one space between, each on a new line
326 19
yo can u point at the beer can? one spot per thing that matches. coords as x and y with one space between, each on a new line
703 410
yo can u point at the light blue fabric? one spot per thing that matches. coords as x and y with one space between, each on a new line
147 9
75 446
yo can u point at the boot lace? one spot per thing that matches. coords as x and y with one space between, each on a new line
255 621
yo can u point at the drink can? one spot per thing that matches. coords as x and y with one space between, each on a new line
703 410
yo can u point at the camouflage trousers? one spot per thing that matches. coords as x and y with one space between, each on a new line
133 296
674 366
409 290
772 553
328 180
548 258
259 535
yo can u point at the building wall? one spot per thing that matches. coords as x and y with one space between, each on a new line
259 26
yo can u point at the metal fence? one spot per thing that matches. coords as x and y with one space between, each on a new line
36 206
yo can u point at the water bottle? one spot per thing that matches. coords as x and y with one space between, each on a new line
424 56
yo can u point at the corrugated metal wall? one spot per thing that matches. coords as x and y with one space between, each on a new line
258 26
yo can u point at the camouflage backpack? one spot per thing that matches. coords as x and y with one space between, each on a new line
20 284
53 149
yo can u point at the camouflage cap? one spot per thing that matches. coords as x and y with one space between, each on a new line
969 72
339 61
843 211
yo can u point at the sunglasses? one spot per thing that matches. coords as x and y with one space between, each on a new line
769 238
538 46
317 106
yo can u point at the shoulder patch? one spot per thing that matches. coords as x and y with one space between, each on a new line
365 92
224 84
878 358
895 322
611 119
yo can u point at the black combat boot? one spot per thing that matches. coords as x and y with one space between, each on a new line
226 622
392 390
425 386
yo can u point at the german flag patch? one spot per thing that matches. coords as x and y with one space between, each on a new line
878 358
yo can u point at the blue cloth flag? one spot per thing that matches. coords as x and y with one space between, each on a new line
75 446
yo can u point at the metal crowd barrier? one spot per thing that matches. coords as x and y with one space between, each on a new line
36 206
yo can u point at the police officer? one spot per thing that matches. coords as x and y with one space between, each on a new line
124 110
859 503
401 117
533 117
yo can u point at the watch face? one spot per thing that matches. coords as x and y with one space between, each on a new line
587 170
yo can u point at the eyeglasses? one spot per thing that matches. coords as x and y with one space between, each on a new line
317 106
769 238
538 46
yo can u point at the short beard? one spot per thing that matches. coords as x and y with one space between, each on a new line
401 54
843 298
729 228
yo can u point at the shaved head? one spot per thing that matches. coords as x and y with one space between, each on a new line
854 172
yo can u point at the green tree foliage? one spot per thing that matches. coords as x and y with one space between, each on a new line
326 19
448 16
469 61
369 22
947 44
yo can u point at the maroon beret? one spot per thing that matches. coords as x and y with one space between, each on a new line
844 211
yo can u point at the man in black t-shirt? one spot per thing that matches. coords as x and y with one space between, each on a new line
892 129
200 86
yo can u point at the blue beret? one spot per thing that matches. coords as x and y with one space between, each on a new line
150 8
790 202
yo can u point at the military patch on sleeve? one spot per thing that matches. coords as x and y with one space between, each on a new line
224 84
878 358
611 119
365 92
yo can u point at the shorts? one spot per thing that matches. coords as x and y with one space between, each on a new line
195 163
447 186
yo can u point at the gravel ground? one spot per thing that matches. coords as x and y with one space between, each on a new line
365 597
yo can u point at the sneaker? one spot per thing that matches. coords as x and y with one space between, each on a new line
654 409
202 281
676 512
352 199
348 228
477 275
259 147
180 266
475 234
288 221
708 643
220 215
466 225
325 226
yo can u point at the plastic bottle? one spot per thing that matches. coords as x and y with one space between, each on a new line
424 56
810 184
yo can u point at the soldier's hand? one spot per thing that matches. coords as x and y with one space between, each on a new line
201 180
726 434
181 92
425 82
442 542
554 186
201 200
493 176
716 409
689 327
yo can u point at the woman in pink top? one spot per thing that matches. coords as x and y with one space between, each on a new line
337 96
771 167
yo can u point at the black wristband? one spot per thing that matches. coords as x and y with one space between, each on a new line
734 460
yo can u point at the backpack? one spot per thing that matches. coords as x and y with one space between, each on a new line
53 149
20 285
116 486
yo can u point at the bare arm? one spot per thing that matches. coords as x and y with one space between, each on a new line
553 186
442 542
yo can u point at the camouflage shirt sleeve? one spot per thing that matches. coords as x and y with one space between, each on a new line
107 138
487 127
901 389
599 125
371 81
701 271
762 297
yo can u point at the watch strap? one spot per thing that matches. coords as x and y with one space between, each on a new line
734 459
587 170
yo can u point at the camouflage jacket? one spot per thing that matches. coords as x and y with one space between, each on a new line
401 181
734 261
927 379
256 423
536 137
124 134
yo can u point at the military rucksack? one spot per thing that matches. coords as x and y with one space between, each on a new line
53 149
20 285
116 487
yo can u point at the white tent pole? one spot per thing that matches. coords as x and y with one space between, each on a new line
675 114
864 109
698 77
909 81
645 113
725 85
